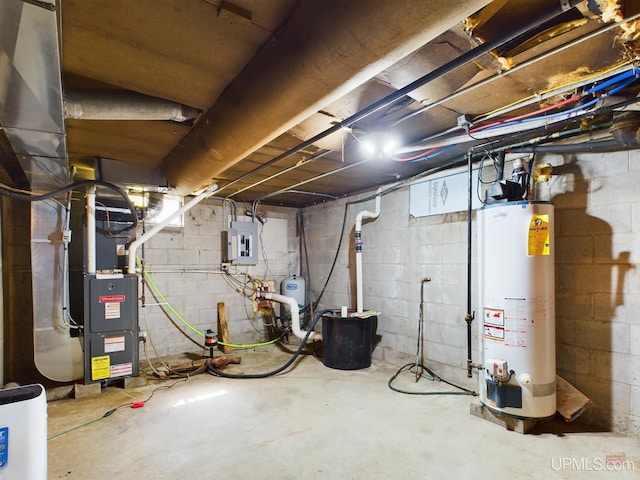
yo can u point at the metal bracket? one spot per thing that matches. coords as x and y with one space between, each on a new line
470 317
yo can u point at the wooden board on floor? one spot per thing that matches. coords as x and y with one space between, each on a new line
223 328
570 401
510 423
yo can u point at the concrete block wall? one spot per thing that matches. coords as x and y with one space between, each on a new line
597 223
398 252
185 265
597 281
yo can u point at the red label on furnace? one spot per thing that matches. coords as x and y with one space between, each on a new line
112 298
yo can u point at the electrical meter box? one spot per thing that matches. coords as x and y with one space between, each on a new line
240 244
110 327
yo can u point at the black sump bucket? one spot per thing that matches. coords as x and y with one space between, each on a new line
347 342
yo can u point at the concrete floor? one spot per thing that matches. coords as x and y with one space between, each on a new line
312 422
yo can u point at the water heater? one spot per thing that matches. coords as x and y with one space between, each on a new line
517 307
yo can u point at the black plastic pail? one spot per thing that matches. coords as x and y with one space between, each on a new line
347 342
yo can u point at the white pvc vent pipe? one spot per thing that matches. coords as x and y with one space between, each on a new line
133 247
91 229
295 316
358 244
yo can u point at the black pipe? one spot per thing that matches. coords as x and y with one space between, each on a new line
585 147
504 142
467 57
72 186
470 315
214 371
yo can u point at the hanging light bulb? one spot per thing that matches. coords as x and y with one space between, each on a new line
379 144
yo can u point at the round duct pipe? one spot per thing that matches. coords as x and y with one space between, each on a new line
123 105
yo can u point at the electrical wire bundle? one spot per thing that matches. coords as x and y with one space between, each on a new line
584 100
108 413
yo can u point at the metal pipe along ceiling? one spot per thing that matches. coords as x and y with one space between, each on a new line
325 50
457 62
117 105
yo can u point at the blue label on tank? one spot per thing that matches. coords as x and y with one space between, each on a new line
4 446
292 287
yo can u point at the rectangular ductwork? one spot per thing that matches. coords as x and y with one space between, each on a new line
31 115
31 91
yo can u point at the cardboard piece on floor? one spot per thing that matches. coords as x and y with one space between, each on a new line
570 402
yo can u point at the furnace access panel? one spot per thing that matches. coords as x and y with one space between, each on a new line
110 327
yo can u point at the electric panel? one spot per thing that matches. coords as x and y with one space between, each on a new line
110 327
240 243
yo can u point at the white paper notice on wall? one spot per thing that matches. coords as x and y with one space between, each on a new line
443 195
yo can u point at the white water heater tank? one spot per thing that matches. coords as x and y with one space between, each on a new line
517 307
294 286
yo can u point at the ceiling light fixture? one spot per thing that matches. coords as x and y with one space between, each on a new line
379 144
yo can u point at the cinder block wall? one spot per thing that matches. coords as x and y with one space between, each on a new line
185 262
398 253
597 242
597 281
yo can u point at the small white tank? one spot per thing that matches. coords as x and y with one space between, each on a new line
294 286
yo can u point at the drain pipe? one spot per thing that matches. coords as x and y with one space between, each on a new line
91 229
295 316
133 247
358 244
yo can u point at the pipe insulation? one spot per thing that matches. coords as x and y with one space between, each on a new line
463 59
123 105
133 247
295 316
325 50
358 246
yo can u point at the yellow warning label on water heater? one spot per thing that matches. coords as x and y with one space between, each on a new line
100 367
539 236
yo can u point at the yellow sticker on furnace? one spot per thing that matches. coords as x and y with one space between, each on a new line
539 236
100 367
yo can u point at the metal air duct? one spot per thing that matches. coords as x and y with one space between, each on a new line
31 92
123 105
31 115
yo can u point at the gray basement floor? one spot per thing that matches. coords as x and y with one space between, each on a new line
312 422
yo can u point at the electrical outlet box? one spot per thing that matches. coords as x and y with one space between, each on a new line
240 244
